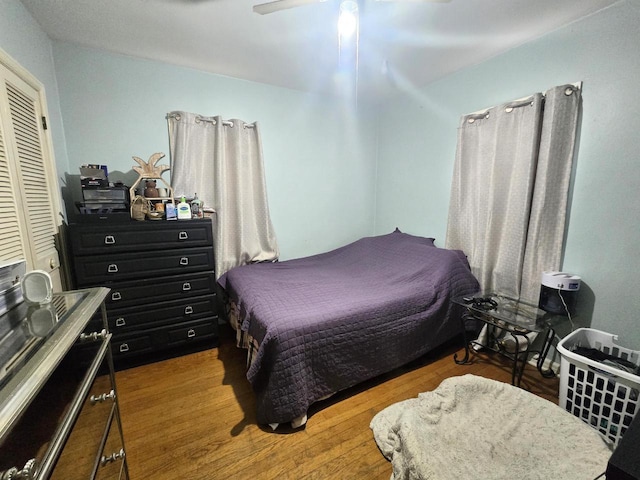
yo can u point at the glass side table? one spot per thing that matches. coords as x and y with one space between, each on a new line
509 324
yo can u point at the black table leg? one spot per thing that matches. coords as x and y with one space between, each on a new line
519 358
548 339
463 318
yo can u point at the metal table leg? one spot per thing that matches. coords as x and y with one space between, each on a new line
463 319
519 358
548 339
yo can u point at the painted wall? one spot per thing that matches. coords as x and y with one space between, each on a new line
416 159
319 154
22 38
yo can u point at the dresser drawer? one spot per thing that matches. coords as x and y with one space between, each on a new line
128 346
192 332
149 290
135 236
152 315
157 339
103 269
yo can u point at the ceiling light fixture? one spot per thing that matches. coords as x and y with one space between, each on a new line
348 44
348 19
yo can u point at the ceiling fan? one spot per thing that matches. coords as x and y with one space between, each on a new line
348 20
278 5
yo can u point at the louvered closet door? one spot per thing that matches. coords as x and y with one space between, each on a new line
26 179
11 242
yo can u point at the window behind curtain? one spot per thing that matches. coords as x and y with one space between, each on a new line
510 189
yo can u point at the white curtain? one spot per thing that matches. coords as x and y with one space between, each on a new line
222 162
510 189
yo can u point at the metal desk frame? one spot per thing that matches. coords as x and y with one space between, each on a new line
502 314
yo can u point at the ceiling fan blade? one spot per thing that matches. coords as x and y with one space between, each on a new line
415 1
278 5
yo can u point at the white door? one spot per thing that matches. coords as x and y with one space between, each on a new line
29 200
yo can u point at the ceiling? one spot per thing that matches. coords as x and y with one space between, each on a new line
402 45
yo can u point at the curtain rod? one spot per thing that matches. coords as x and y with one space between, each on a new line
200 118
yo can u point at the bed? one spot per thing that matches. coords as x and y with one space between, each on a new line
321 324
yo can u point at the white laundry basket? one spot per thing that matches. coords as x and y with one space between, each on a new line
604 396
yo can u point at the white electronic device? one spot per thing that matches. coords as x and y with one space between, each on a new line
561 281
559 293
37 288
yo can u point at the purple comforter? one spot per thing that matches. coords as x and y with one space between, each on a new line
327 322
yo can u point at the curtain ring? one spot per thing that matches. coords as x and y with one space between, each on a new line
201 119
478 116
510 108
568 91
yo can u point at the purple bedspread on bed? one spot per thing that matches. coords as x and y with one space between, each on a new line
327 322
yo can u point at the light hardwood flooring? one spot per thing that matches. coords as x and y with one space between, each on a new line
193 417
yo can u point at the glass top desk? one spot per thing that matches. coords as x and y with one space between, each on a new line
510 324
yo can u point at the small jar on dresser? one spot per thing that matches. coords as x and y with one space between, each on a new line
163 290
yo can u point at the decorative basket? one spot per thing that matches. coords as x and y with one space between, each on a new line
139 208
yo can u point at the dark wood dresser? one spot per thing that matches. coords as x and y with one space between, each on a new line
161 274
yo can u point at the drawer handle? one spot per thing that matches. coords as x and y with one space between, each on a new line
93 336
188 310
184 261
115 296
183 236
109 240
186 286
29 471
112 268
191 333
112 458
124 348
120 322
102 398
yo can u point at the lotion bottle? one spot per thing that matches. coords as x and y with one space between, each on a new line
184 210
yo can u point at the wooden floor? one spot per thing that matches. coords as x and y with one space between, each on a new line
194 417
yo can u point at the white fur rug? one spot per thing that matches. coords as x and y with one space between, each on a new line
474 428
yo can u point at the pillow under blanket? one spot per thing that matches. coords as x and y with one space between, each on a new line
475 428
